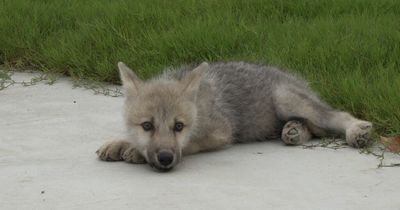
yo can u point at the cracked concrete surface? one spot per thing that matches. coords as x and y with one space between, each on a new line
49 135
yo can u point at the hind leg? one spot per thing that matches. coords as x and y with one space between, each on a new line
295 133
295 102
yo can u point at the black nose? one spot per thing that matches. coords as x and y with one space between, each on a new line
165 158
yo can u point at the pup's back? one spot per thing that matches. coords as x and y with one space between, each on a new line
243 93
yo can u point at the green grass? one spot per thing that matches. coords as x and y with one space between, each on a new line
348 50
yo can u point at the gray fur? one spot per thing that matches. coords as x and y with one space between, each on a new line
223 103
244 94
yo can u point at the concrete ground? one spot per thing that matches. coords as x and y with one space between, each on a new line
49 135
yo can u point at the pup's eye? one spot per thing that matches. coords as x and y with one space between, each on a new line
178 126
147 126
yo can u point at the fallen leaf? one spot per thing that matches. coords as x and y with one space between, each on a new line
391 143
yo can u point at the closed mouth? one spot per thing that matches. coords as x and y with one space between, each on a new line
161 168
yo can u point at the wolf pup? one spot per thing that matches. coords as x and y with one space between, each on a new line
196 109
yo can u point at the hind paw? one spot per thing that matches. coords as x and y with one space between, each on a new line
295 133
358 134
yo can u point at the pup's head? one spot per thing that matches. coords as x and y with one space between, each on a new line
160 114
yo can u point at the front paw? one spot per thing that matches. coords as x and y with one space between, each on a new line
132 155
112 151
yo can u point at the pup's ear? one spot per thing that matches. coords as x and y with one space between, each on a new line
130 81
192 81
